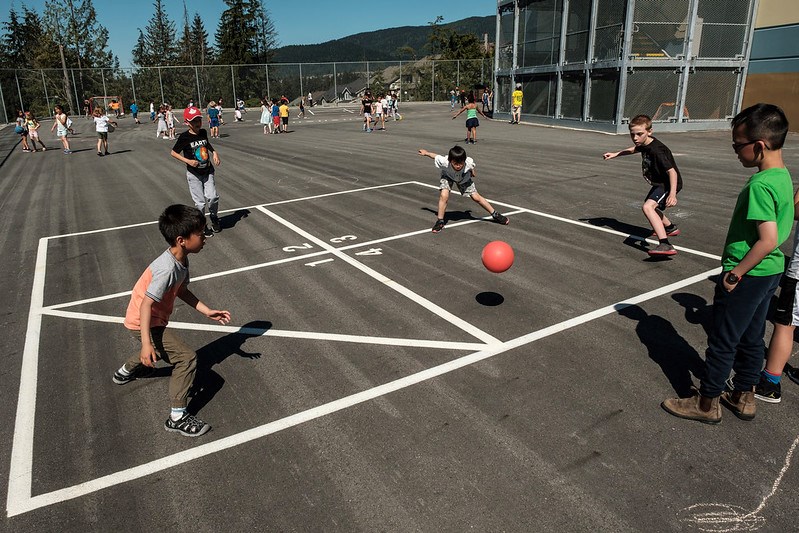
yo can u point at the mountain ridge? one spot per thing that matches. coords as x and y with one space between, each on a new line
380 45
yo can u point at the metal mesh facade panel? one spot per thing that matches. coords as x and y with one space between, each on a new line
571 95
505 38
604 92
609 34
539 95
711 94
502 96
650 91
539 33
577 28
721 28
659 29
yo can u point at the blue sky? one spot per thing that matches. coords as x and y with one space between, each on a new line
303 22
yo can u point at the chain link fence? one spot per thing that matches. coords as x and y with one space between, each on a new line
337 83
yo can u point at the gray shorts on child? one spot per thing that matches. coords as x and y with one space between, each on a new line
466 188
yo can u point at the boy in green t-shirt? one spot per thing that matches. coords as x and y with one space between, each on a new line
752 264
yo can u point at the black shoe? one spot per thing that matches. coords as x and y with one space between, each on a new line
208 232
768 391
107 152
100 154
500 218
143 372
216 225
438 226
792 373
187 425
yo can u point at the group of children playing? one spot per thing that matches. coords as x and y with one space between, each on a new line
752 263
275 115
375 110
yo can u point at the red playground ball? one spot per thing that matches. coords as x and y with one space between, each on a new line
497 256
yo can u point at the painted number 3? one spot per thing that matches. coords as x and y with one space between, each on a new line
343 238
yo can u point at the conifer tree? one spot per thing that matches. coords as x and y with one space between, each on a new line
158 45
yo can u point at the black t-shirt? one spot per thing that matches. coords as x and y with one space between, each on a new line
197 147
656 160
367 105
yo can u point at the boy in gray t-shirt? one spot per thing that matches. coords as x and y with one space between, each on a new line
457 169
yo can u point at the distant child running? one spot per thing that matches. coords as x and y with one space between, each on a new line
194 149
275 116
214 116
161 131
366 111
266 116
150 307
752 264
32 126
101 122
661 172
457 169
471 119
21 129
170 121
62 130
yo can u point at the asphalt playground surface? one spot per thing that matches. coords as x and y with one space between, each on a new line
375 376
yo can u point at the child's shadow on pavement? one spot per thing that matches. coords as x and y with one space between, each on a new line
230 221
453 216
207 381
677 359
635 233
697 310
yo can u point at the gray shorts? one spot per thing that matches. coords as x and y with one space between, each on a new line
466 188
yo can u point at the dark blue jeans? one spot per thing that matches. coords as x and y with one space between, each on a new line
736 340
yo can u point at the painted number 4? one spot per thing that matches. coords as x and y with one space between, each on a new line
371 251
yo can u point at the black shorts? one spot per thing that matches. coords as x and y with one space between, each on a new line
285 120
472 122
786 312
658 193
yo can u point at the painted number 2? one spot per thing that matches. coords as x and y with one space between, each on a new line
303 246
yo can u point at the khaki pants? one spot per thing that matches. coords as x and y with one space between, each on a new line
169 347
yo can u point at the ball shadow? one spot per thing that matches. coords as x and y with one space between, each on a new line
489 299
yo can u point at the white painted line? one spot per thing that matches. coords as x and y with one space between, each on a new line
348 110
424 302
20 474
303 199
279 261
309 335
311 112
590 226
130 474
321 261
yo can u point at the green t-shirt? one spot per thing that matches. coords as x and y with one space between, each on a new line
767 196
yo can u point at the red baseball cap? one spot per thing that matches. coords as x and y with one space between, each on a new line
190 113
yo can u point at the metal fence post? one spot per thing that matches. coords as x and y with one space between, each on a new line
161 85
102 75
433 82
233 81
19 92
367 74
133 85
400 83
590 61
75 89
624 63
268 95
302 92
197 81
335 84
3 99
44 85
682 89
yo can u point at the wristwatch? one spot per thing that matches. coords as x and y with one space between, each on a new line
732 278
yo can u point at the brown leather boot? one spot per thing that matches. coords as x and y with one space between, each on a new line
741 403
700 408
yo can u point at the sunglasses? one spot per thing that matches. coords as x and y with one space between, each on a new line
737 147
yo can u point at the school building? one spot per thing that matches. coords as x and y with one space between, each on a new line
774 62
595 64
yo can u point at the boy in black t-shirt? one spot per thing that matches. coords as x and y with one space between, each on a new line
193 148
662 173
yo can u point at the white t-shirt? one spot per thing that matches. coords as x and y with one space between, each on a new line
101 124
461 176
